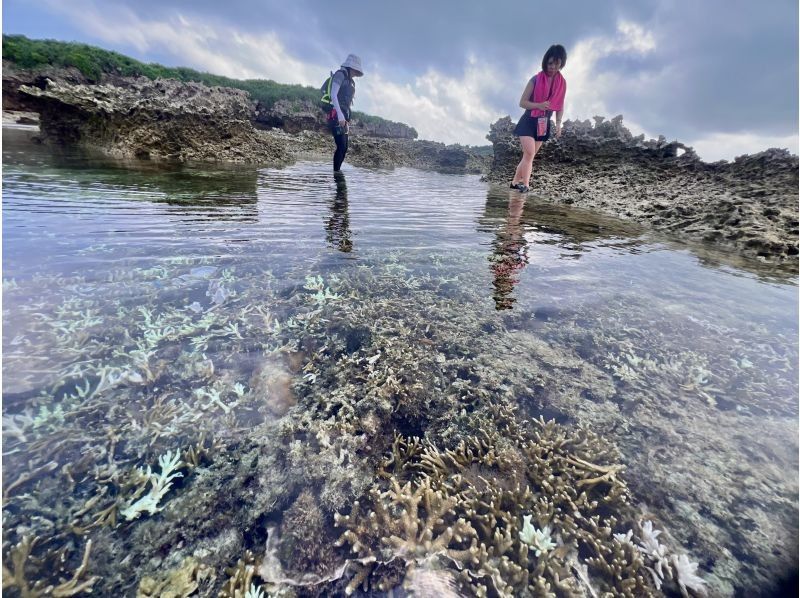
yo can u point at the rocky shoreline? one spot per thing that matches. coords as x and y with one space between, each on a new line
748 206
172 120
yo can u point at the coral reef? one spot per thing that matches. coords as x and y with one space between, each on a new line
160 119
172 120
469 509
16 577
289 385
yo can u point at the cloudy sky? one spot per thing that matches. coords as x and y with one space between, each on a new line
720 75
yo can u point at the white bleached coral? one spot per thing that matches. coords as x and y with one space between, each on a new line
160 483
686 576
655 550
663 565
541 540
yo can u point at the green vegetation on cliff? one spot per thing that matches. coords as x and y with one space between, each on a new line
94 62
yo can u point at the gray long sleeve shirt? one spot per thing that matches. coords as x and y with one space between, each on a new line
336 84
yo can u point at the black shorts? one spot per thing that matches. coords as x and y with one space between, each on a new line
526 127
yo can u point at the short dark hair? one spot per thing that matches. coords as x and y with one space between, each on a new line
555 51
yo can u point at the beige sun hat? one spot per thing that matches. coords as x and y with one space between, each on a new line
354 62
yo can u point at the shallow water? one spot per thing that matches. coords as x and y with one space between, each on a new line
143 306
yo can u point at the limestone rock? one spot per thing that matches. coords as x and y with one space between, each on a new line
294 116
161 119
749 205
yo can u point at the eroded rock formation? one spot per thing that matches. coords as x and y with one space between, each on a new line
160 119
749 205
167 119
294 116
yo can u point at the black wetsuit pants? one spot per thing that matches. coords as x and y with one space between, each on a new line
340 137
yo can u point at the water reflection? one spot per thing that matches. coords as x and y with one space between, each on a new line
91 175
337 225
526 230
510 253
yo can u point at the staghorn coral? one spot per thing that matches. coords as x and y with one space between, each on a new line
469 509
379 368
16 576
160 483
240 577
686 577
540 539
661 565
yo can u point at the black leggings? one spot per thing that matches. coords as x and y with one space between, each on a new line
341 150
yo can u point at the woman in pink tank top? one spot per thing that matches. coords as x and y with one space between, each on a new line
544 94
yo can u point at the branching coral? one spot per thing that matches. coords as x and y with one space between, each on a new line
540 539
16 577
471 509
160 483
661 565
240 578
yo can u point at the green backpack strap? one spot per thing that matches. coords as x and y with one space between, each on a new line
326 95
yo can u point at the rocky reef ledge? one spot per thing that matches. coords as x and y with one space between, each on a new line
172 120
749 205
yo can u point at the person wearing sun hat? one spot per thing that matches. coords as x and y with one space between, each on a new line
342 91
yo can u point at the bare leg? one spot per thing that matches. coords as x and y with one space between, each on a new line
529 148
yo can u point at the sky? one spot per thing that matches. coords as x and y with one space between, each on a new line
718 75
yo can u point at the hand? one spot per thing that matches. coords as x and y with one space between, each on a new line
544 105
558 130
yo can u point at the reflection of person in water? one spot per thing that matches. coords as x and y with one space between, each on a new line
337 228
510 254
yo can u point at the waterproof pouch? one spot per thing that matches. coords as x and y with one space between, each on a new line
542 128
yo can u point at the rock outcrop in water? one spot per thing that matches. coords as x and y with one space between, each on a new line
168 119
749 205
294 116
160 119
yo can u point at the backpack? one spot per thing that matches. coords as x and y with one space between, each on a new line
326 103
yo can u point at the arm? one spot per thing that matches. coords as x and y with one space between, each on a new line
335 85
524 101
559 114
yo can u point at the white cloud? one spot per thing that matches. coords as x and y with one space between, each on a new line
441 108
726 146
588 87
216 49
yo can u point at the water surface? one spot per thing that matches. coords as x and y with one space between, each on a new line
152 308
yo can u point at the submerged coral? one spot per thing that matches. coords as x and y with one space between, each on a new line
287 389
160 483
469 509
539 539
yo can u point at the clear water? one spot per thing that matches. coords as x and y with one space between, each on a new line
150 308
